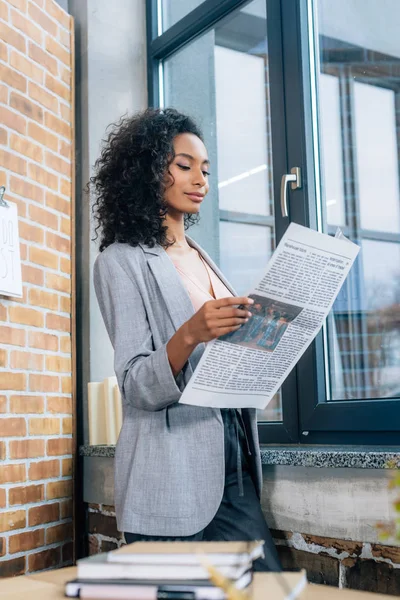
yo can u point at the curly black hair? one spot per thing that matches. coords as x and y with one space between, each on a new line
129 178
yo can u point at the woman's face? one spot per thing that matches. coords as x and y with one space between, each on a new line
187 180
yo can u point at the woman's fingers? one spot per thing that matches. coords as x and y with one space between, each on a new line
232 301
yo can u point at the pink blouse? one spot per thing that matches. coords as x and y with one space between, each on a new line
198 294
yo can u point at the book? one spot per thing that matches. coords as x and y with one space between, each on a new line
99 566
187 553
149 590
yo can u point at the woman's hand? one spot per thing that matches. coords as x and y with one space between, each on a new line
216 318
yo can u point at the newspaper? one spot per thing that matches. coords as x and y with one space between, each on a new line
246 368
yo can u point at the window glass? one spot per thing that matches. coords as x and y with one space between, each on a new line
222 79
174 10
357 124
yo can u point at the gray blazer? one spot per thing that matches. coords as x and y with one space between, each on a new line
169 460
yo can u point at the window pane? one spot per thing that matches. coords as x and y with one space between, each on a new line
174 10
357 124
222 79
377 157
245 250
244 171
331 149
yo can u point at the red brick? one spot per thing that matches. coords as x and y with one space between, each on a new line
65 344
26 316
12 426
58 203
56 163
30 233
43 177
28 361
3 52
12 336
65 301
12 78
26 190
46 559
65 226
68 553
3 358
59 283
43 257
13 567
27 26
57 50
58 364
3 451
44 383
55 86
47 513
3 404
3 312
57 125
38 94
59 404
3 501
39 297
3 133
28 540
12 120
44 341
26 107
59 446
58 323
65 112
43 136
57 242
32 275
26 404
66 385
43 59
66 508
43 216
59 533
44 426
26 494
12 162
12 381
65 149
12 473
67 463
27 148
55 11
42 19
26 448
44 469
22 64
59 489
12 37
20 4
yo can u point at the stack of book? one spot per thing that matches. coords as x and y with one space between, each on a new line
164 570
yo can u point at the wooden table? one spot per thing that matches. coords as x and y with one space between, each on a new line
50 586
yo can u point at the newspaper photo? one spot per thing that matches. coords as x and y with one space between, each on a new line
294 295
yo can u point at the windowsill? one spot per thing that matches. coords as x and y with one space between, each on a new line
356 457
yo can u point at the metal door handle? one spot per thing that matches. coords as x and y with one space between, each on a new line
295 178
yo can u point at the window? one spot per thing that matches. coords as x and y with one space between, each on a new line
277 84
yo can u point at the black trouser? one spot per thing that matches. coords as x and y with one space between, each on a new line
239 517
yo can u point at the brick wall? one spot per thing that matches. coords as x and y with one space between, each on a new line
36 410
340 563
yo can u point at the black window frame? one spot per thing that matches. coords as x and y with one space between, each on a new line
306 420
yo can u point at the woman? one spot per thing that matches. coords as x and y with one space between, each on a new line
181 472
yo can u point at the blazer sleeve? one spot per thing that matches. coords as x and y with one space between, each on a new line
144 374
